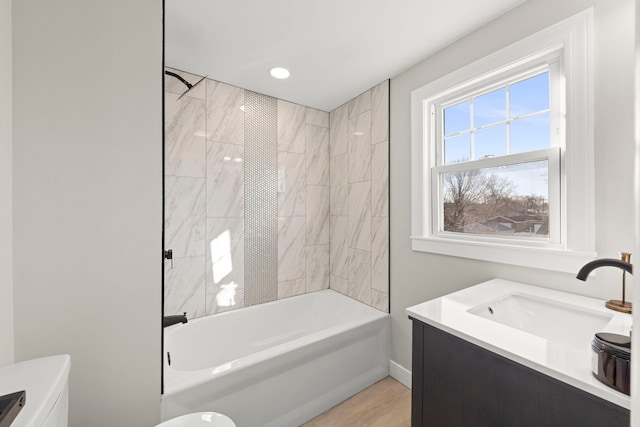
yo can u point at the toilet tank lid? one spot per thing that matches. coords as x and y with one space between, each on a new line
43 379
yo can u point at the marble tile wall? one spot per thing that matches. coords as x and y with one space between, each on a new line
185 197
303 206
205 206
359 197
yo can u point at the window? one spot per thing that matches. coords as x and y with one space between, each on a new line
502 155
495 172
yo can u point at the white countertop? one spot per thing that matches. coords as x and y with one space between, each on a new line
567 363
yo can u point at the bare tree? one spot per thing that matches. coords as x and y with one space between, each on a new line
462 190
498 192
534 203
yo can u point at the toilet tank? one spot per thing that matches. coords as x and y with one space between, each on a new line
46 382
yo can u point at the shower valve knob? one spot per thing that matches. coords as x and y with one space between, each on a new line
168 254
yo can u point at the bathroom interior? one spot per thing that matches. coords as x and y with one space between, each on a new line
150 166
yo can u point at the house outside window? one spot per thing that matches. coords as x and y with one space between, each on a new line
502 155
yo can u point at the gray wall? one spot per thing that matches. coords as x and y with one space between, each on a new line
88 200
6 285
416 276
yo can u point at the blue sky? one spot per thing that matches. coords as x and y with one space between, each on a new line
526 134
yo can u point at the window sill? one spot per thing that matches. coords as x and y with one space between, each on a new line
552 259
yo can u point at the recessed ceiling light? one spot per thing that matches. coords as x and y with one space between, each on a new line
280 73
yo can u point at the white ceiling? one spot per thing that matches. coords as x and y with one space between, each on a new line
335 49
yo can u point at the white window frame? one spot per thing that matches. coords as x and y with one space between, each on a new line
572 241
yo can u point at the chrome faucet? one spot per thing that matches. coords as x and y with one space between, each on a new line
174 319
618 305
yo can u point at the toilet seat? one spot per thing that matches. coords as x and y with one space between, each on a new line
199 419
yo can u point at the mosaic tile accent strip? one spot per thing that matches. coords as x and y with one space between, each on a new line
261 198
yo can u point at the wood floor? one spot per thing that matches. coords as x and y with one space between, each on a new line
387 403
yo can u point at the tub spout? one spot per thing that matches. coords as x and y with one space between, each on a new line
174 319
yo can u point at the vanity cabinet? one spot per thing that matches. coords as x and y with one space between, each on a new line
457 383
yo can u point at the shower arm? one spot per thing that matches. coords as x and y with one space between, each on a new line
186 83
179 77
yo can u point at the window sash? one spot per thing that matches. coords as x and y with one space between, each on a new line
556 211
551 63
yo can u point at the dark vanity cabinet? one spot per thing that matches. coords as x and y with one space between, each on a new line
456 383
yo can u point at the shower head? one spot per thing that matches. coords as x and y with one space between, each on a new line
186 83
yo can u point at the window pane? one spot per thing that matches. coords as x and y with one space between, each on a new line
457 118
490 142
532 133
457 149
529 96
490 108
510 201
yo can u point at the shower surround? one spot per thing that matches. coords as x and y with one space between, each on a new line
236 160
359 199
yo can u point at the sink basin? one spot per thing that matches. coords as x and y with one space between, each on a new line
555 321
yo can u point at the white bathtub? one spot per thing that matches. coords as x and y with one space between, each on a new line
275 364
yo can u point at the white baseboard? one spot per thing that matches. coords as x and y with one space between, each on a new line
400 373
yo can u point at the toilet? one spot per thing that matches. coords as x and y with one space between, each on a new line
46 383
199 419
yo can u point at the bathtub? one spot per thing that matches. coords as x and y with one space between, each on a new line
275 364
